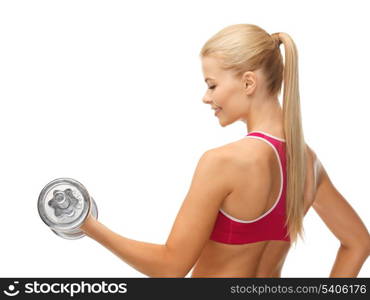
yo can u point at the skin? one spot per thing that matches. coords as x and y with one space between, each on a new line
239 172
244 99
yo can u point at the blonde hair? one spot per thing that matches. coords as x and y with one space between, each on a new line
247 47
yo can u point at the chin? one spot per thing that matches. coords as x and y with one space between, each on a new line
224 124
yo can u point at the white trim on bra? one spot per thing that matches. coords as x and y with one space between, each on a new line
270 135
281 186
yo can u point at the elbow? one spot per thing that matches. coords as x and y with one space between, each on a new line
167 272
172 273
175 267
362 247
176 271
367 247
176 275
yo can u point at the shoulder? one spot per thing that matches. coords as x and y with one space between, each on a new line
317 165
241 154
244 164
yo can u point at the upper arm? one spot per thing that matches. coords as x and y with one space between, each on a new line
195 220
338 215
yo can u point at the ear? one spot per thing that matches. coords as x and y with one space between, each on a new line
249 80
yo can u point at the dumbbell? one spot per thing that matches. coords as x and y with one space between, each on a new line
64 205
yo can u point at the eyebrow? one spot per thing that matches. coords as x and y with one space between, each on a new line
207 79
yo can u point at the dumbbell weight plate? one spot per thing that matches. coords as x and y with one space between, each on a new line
77 233
63 205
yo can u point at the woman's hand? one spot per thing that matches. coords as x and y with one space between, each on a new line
89 223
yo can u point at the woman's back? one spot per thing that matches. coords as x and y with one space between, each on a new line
256 192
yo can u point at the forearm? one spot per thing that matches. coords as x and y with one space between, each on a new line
348 262
149 259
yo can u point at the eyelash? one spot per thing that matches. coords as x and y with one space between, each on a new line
211 87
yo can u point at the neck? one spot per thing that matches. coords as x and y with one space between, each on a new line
266 116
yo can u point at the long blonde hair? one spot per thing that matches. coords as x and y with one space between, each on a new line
247 47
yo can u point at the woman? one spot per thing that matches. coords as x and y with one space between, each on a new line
247 199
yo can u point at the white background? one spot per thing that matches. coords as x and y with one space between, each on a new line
109 93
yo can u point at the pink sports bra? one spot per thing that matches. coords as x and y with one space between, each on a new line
270 225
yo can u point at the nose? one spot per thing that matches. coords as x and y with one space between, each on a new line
206 99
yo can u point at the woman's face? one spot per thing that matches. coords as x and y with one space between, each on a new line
225 91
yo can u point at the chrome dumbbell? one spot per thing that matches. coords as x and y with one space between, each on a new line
63 205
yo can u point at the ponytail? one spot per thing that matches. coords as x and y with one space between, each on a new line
295 143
